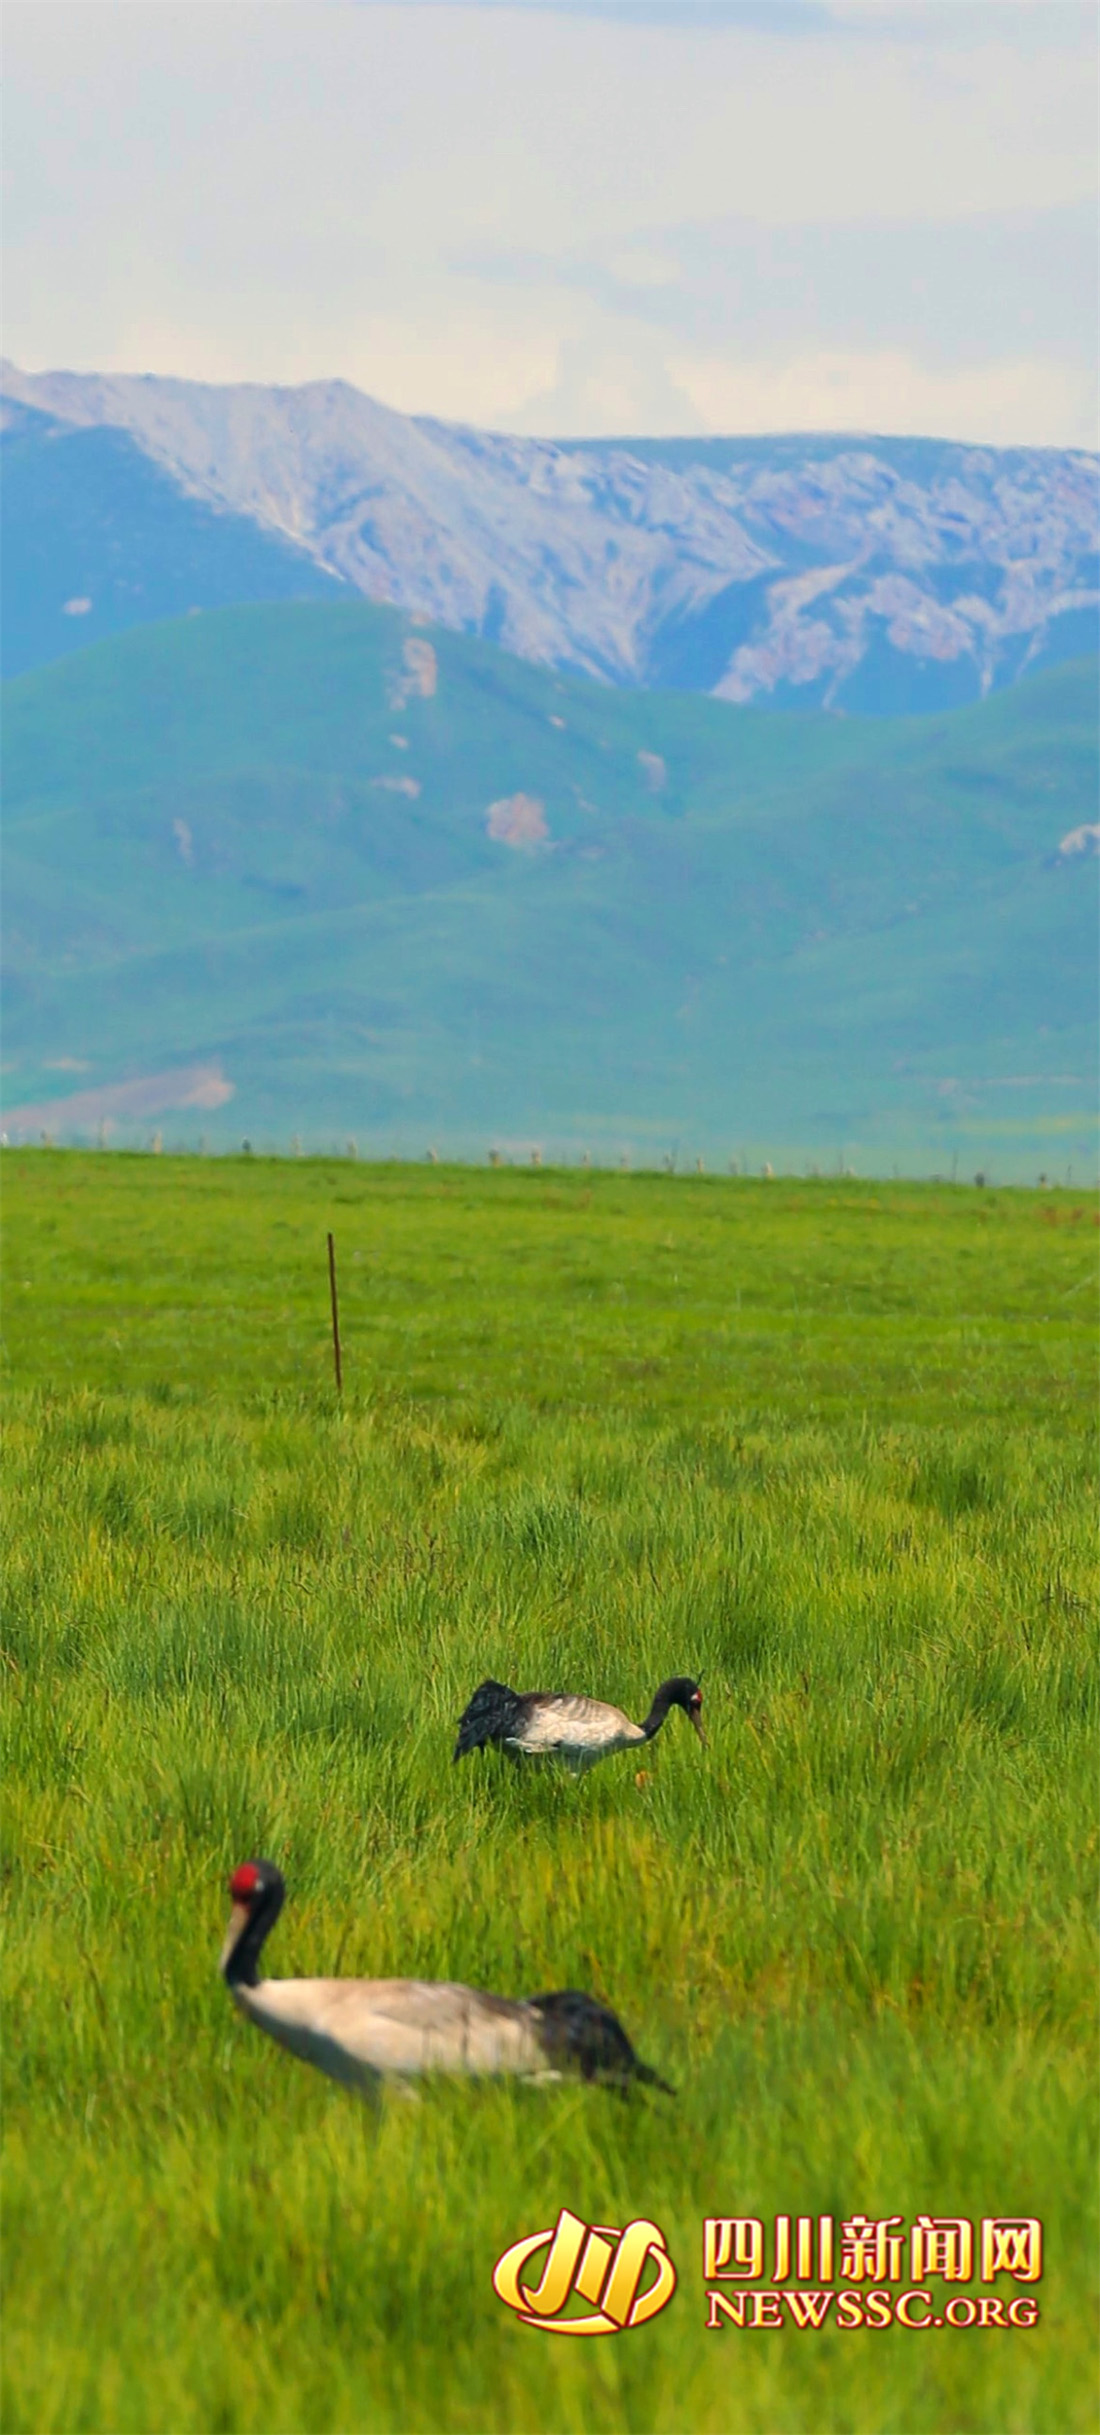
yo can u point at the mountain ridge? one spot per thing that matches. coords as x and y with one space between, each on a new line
844 571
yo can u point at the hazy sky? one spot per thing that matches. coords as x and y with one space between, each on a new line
570 216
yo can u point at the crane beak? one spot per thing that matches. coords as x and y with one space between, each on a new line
697 1721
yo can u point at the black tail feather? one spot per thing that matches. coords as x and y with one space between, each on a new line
493 1712
580 2033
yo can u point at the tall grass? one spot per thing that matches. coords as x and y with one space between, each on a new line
857 1933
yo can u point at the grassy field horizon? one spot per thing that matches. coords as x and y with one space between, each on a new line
828 1444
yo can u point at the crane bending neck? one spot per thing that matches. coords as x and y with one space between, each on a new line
248 1929
657 1714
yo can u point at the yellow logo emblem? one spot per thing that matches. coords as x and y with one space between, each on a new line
594 2263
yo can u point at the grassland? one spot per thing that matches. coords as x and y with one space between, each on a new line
829 1444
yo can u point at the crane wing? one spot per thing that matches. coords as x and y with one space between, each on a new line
577 1727
398 2025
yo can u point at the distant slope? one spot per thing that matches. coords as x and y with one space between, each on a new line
381 878
95 537
860 573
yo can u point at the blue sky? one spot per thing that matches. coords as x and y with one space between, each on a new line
570 215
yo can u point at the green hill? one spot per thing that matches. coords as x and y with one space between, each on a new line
389 882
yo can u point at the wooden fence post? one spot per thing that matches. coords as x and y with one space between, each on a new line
335 1315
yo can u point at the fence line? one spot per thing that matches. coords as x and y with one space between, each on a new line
745 1165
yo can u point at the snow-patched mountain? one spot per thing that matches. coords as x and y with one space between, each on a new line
852 572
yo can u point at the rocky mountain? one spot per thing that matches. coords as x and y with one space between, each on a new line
838 571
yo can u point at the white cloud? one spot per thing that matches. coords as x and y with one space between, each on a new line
609 383
1010 404
492 368
517 213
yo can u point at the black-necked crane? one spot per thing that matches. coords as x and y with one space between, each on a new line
559 1725
359 2030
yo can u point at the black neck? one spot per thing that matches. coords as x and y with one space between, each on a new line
241 1965
657 1714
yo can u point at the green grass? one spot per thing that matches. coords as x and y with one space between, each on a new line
832 1446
